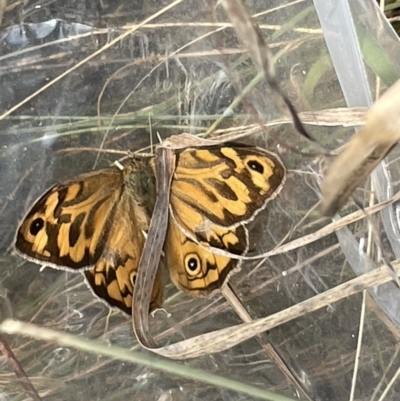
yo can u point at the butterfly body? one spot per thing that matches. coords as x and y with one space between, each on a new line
95 222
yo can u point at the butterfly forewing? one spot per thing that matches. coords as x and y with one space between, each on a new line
226 185
68 226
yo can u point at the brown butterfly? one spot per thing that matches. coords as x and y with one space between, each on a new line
95 223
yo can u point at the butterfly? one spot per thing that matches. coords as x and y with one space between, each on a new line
96 223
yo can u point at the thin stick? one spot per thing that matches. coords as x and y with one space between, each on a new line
97 347
236 304
18 370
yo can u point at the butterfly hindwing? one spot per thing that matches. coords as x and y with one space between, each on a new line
115 272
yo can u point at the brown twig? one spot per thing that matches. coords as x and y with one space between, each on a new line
18 370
